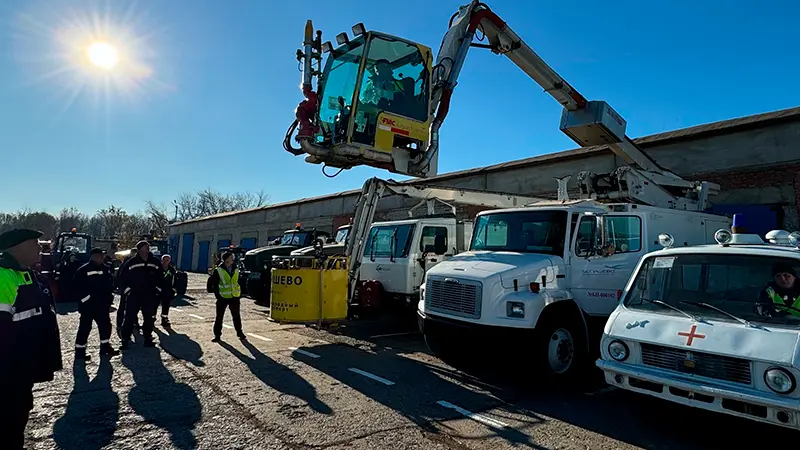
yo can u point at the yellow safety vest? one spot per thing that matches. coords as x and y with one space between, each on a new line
229 286
777 299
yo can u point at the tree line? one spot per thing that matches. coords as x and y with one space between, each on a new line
127 227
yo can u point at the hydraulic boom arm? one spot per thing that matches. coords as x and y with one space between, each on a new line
375 188
588 123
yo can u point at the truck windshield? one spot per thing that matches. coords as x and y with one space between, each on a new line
294 239
77 244
710 285
521 231
389 240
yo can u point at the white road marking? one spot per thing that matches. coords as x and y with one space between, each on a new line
476 417
197 317
175 308
393 334
372 376
227 326
303 352
260 337
605 390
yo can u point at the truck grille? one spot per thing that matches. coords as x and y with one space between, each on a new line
454 296
697 363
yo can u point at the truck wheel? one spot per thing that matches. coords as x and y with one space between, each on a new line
562 349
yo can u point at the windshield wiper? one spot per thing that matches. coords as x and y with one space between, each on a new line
668 306
719 310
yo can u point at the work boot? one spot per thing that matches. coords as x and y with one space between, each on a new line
216 339
107 350
80 354
242 336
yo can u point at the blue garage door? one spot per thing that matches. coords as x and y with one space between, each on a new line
224 243
186 253
174 240
248 243
760 219
202 256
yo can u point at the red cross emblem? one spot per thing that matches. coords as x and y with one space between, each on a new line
691 335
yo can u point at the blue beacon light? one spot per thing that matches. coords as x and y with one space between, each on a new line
739 224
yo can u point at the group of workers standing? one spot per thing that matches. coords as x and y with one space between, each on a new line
29 334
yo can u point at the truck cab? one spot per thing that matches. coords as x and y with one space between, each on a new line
713 327
397 253
549 272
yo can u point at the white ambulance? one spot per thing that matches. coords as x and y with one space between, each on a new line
713 326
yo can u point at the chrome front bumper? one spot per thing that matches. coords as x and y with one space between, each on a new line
747 403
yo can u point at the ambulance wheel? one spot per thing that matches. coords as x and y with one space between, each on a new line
561 346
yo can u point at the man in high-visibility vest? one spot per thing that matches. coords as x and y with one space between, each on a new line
781 296
30 346
225 282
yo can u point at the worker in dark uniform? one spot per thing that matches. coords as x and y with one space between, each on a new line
30 347
64 275
141 279
225 283
94 286
168 289
123 297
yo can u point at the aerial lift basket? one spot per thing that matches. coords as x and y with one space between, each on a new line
309 290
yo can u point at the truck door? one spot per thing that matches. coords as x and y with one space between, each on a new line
595 279
387 251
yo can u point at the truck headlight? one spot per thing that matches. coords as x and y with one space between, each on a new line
779 380
618 350
515 309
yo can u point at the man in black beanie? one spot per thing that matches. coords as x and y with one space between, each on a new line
141 279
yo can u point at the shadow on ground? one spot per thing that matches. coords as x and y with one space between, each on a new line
278 376
180 346
160 399
92 410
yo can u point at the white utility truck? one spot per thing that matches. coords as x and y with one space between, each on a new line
398 253
715 327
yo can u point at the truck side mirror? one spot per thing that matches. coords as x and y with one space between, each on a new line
439 245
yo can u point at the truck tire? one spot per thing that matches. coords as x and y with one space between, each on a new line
561 348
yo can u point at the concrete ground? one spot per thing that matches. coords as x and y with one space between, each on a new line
371 385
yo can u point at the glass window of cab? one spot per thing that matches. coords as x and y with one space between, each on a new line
740 285
521 231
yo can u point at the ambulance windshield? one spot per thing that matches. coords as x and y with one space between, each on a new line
521 231
748 287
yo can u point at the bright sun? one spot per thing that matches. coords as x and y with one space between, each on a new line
102 55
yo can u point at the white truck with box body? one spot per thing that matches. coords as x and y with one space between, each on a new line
545 271
715 327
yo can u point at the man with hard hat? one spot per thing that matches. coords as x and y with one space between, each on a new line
30 346
94 286
141 279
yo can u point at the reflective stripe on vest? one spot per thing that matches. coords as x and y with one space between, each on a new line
27 314
229 286
778 300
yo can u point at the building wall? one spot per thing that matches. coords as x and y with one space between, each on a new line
753 165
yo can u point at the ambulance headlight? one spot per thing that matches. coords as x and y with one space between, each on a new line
723 236
666 240
794 239
779 380
618 351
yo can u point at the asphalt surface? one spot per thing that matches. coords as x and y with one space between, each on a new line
369 385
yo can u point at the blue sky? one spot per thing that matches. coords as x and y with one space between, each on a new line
216 85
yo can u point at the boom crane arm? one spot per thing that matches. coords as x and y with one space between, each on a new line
588 123
375 188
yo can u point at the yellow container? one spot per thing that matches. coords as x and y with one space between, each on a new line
303 292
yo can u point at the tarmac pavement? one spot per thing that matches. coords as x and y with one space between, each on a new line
367 385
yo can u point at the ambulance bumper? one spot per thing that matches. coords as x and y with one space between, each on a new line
746 402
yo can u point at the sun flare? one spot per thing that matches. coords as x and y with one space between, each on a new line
102 55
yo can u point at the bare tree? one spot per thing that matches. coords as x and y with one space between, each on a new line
209 202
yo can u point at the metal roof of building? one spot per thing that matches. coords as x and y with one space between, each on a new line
704 130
